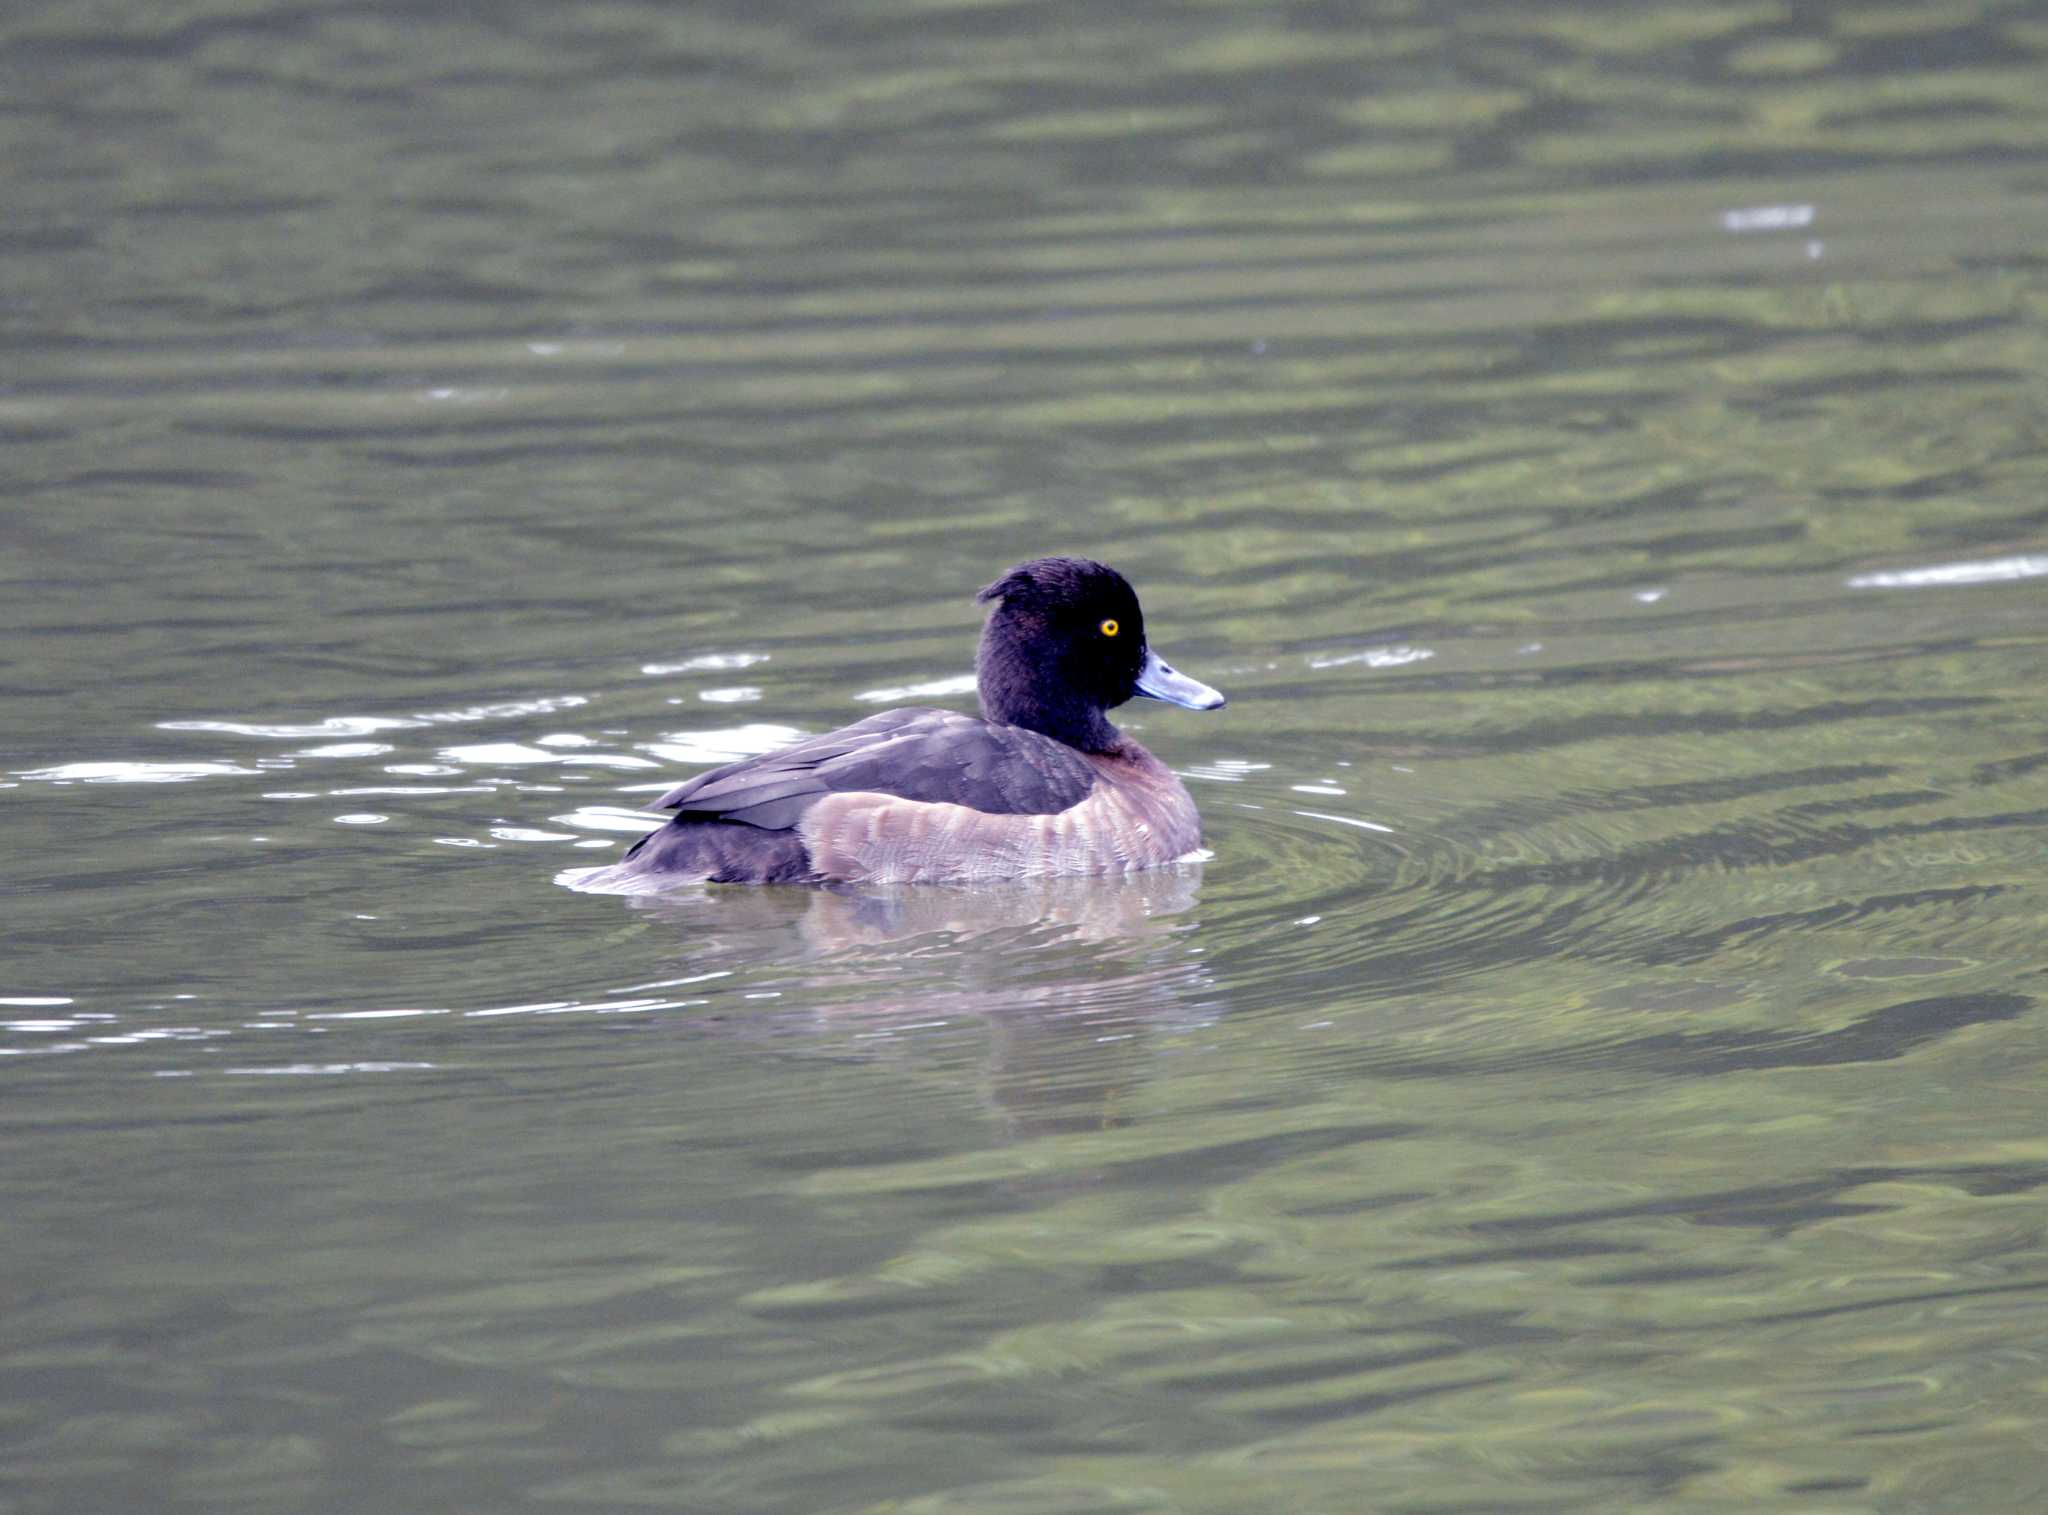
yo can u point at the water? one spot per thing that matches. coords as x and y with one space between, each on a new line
1600 455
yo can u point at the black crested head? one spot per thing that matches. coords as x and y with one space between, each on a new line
1065 643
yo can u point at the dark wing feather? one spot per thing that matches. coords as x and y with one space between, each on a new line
915 754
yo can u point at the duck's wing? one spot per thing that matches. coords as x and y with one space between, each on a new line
933 756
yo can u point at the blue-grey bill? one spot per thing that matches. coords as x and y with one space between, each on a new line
1156 681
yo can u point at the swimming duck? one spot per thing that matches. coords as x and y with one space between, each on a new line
1039 785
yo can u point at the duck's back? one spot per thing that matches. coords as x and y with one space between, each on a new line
916 795
915 753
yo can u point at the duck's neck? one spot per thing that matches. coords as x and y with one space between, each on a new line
1014 694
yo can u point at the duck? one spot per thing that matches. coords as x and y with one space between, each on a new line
1039 785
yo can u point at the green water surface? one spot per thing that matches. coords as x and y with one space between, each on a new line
1598 1065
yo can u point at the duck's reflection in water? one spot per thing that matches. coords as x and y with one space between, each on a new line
1066 985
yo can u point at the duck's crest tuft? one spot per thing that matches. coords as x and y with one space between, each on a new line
1048 580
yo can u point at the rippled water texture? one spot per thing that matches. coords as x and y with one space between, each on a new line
1598 1065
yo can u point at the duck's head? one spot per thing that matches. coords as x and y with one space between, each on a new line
1065 643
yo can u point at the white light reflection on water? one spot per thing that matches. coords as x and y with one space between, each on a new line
333 725
1223 770
930 689
308 1070
370 725
604 818
134 773
370 1015
707 662
581 1007
557 750
675 983
509 754
1345 820
729 745
1987 571
1767 218
484 787
345 750
505 710
1371 657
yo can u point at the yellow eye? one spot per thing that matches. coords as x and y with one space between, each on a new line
1110 628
